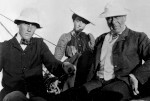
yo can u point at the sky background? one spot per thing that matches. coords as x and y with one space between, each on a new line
55 17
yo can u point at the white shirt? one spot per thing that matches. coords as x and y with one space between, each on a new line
106 66
107 69
18 37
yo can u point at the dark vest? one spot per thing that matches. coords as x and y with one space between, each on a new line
80 42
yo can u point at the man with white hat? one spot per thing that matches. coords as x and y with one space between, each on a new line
22 58
76 42
118 70
118 58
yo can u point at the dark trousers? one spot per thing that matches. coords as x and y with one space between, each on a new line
15 96
19 96
83 64
113 89
98 90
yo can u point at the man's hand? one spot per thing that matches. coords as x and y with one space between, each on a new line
69 68
134 84
54 87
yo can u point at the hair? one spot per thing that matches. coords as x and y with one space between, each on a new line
74 16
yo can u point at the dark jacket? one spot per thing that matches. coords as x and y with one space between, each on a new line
127 54
22 70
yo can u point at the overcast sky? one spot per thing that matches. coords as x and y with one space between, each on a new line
56 16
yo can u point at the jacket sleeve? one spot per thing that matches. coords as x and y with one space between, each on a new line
97 40
142 73
61 46
92 41
53 65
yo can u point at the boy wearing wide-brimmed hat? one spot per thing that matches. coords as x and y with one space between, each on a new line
22 58
76 42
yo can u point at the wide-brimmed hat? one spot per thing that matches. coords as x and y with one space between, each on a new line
114 9
29 15
83 12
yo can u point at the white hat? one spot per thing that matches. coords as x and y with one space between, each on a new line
29 15
114 9
83 12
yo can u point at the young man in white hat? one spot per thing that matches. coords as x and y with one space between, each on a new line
76 42
118 70
21 59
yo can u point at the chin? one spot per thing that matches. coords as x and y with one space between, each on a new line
116 31
80 30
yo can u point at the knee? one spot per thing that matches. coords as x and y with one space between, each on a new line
124 90
120 88
15 96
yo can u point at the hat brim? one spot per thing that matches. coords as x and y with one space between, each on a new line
18 21
82 16
108 15
114 13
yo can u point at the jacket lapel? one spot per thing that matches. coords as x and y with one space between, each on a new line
15 43
116 46
98 50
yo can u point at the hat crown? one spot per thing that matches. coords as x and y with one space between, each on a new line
114 9
30 15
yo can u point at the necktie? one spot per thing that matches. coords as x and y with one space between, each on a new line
24 42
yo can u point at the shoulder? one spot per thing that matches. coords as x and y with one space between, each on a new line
87 36
64 38
37 40
100 38
83 34
6 43
137 34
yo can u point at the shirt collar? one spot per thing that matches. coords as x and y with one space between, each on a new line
18 37
73 33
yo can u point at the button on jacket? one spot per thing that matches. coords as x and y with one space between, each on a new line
22 69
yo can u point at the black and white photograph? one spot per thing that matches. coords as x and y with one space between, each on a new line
74 50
